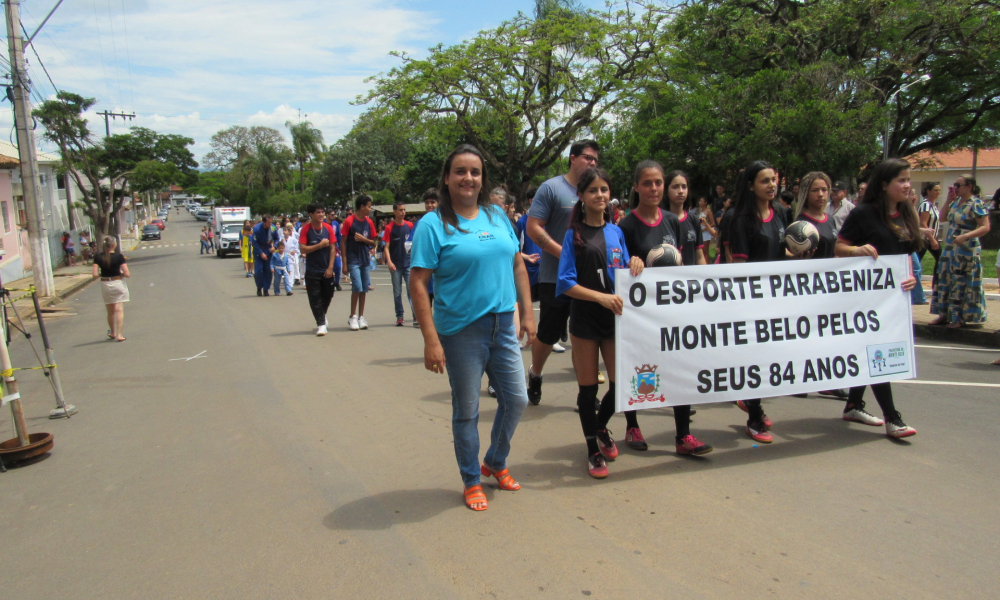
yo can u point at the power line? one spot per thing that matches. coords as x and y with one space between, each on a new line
88 83
100 47
114 50
128 58
40 63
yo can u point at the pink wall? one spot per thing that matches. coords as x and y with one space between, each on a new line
8 232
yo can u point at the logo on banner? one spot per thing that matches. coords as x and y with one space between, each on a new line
887 359
645 385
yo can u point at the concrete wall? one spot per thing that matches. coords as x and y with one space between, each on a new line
988 179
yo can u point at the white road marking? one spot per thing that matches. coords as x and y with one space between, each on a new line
199 355
956 348
958 383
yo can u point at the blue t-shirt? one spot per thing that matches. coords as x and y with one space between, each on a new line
528 246
553 204
473 271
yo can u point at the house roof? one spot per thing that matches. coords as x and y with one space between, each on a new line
10 151
7 162
960 159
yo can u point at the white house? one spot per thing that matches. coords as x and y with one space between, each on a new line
945 167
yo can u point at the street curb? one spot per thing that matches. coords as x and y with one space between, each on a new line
964 335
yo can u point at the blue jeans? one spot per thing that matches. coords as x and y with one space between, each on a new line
278 277
917 295
262 272
359 278
486 345
399 277
204 248
337 268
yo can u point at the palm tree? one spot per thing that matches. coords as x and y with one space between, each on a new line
307 141
268 167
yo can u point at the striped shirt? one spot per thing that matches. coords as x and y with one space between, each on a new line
926 206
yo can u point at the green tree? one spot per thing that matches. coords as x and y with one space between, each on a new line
233 144
107 171
541 83
268 167
307 142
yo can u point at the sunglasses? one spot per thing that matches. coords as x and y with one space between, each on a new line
958 185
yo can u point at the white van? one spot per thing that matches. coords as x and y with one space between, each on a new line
227 222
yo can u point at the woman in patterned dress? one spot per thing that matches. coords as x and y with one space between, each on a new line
958 298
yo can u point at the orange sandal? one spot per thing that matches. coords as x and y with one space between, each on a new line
504 479
475 495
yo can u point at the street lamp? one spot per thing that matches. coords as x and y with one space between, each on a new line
888 103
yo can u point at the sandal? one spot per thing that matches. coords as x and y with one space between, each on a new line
504 479
996 362
474 495
957 325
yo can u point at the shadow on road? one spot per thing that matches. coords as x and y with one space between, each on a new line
398 362
382 511
564 466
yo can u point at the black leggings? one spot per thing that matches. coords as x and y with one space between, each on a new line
883 395
593 421
682 420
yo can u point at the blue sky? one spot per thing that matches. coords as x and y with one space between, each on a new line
195 67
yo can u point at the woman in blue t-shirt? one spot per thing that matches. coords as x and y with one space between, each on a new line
591 251
472 251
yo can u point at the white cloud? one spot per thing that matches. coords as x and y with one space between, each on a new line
195 67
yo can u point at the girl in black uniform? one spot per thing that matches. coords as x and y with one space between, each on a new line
645 228
883 222
677 203
814 194
756 234
592 249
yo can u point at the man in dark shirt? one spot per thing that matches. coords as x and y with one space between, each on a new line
318 243
263 239
719 197
357 236
397 237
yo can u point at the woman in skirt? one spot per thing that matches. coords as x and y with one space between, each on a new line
110 266
591 251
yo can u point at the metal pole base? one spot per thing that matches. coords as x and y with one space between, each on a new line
62 413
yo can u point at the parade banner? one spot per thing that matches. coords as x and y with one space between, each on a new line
700 334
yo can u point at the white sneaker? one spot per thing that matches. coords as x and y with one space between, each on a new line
352 323
557 347
326 321
896 428
860 415
362 323
321 330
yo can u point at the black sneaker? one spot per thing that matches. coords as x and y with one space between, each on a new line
338 288
267 293
839 393
492 392
534 388
260 293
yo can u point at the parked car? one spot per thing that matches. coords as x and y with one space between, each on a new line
159 223
150 232
203 214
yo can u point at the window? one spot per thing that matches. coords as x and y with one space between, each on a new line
6 219
43 179
60 183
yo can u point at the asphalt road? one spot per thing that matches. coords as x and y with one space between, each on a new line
282 465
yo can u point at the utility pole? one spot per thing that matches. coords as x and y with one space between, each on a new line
107 124
41 262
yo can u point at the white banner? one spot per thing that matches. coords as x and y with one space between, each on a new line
700 334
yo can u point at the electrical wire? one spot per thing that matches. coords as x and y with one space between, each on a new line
40 63
128 59
100 47
114 50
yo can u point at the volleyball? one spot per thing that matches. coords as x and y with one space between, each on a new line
663 255
801 236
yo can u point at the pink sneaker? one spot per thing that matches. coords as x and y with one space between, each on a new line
758 433
690 445
607 444
634 439
765 419
596 466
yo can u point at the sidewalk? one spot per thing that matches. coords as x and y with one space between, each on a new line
985 334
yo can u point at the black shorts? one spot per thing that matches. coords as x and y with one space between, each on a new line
591 321
534 292
553 315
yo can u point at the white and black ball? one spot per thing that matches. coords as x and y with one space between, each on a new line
800 237
663 255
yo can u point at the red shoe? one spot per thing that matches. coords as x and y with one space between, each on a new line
690 445
765 420
608 447
634 439
596 466
759 433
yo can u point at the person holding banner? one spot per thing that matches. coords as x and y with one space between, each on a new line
814 195
592 249
883 223
470 247
756 234
645 228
